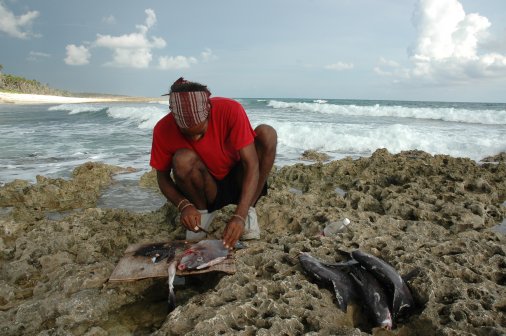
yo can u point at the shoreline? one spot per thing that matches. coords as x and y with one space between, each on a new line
29 99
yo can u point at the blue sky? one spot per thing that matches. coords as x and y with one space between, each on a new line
445 50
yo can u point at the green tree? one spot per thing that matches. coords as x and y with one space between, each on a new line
1 76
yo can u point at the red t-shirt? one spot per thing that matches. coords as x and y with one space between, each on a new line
228 131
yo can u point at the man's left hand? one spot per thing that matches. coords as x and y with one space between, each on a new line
233 232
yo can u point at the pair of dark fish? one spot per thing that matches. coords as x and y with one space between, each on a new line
197 256
364 278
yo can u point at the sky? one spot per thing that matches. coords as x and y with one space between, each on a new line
423 50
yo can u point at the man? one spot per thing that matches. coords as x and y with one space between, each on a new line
216 159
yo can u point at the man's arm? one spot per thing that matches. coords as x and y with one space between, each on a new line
235 227
190 217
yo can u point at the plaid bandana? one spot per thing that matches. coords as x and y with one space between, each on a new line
189 108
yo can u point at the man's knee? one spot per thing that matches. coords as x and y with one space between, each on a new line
267 136
183 161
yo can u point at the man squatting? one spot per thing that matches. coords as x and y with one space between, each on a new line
216 159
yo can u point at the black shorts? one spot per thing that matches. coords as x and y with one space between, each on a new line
229 191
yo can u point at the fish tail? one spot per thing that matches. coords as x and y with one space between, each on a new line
172 300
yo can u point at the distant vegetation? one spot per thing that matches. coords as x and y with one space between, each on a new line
16 84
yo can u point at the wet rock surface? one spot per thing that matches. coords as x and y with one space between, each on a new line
413 210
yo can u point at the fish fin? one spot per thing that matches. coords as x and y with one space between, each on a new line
211 263
411 274
342 264
340 300
344 253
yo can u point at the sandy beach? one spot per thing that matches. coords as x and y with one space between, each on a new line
23 98
414 210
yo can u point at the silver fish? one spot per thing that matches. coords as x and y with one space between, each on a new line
203 254
388 276
325 274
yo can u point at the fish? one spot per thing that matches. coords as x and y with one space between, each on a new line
402 300
160 251
341 282
203 254
169 252
374 296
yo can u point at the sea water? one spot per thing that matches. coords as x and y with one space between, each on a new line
51 140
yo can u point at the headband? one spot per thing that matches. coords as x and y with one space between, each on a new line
189 108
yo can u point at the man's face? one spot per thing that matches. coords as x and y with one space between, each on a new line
196 132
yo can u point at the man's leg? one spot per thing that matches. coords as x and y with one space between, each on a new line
193 179
197 184
265 144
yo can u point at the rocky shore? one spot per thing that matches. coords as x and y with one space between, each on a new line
435 213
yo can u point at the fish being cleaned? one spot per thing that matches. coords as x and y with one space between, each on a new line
160 251
203 254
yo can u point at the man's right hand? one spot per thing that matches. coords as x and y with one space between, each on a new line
190 218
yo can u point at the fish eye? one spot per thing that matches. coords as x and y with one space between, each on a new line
200 259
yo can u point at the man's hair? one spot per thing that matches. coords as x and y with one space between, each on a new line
182 85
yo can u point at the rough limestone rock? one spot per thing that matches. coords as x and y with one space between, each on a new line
414 210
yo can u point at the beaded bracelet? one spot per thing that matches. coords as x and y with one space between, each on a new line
186 205
240 217
179 204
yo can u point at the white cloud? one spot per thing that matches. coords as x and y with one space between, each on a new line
447 46
177 62
134 49
109 19
391 68
340 66
130 41
16 26
207 55
134 58
150 18
36 55
77 55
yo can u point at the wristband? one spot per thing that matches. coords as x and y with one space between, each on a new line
186 205
179 204
240 217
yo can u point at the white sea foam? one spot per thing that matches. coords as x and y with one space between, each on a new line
35 141
487 117
343 140
145 117
78 108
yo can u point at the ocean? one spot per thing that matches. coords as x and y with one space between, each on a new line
51 140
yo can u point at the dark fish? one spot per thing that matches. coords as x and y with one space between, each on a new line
203 254
388 276
160 251
374 296
342 283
